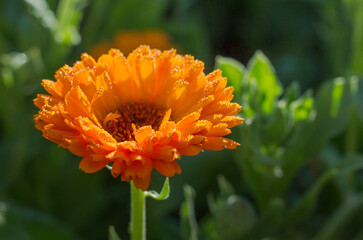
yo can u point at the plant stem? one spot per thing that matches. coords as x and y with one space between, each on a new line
137 228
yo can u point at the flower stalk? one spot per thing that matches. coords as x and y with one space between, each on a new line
138 216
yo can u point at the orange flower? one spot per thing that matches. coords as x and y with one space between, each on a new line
127 41
138 113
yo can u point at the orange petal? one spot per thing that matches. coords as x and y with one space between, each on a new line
51 88
77 103
190 150
166 152
89 166
142 183
94 134
64 79
196 139
117 168
143 133
77 146
168 169
213 118
199 127
232 121
140 168
88 61
230 144
225 108
218 143
56 135
219 130
165 119
225 95
45 101
188 120
84 80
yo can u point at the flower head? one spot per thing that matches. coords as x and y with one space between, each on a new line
137 113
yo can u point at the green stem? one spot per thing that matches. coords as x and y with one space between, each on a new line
138 228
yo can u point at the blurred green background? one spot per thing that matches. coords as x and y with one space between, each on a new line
296 67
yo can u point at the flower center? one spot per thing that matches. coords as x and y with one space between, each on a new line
119 124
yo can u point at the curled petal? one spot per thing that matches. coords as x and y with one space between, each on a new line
166 153
89 166
95 134
168 169
190 150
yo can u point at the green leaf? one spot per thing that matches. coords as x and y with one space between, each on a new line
333 103
232 70
332 106
306 204
339 219
164 194
187 214
252 163
112 234
337 93
273 128
302 107
262 73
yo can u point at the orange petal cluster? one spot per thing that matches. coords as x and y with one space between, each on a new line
195 109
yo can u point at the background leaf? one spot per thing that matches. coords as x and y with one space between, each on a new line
232 70
112 234
187 214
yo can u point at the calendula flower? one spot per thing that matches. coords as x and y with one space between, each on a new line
137 113
127 41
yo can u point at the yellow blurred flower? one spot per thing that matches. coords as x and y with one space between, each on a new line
127 41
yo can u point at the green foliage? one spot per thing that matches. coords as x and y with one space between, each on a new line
164 194
298 172
25 223
232 216
262 82
188 220
284 133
